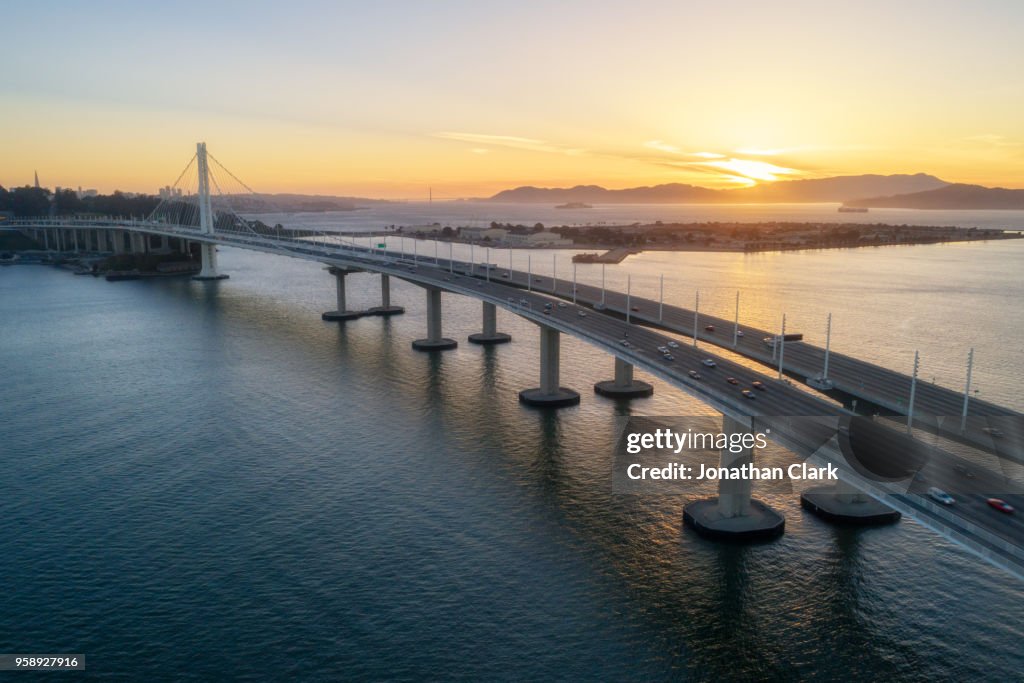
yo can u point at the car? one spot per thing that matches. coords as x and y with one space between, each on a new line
634 308
759 386
732 380
747 393
1001 505
673 345
547 311
548 305
709 363
709 328
504 275
940 496
625 342
599 307
694 374
993 432
524 302
963 471
663 349
739 333
583 314
668 356
561 304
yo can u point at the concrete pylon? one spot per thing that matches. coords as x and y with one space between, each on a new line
385 307
844 503
734 514
341 312
435 340
623 386
208 253
490 334
549 394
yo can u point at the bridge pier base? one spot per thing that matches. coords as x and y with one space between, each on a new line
209 270
549 394
734 514
341 312
623 386
490 334
385 307
435 341
844 503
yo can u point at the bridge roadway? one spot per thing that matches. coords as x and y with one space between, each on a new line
971 523
935 407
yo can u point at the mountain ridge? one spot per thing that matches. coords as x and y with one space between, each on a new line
833 189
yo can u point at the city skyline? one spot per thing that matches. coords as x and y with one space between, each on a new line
392 100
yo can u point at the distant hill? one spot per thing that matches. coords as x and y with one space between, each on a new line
836 189
958 196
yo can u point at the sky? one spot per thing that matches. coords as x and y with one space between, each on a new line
388 99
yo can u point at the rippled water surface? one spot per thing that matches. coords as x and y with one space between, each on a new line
203 480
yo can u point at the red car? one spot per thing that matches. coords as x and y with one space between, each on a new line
758 385
1000 505
732 380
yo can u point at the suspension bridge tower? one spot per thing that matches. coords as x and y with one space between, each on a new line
208 250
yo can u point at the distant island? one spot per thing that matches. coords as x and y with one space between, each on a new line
856 194
574 205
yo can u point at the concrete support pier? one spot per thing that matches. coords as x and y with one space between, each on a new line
341 312
490 335
435 341
549 394
844 503
734 514
623 386
209 270
385 307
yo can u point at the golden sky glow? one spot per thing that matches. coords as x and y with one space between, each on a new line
472 98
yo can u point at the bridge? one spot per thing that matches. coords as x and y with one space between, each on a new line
885 467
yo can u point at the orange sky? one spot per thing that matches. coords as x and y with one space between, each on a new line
388 101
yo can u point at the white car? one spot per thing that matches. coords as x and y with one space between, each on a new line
663 349
561 304
709 363
673 345
583 314
940 496
739 333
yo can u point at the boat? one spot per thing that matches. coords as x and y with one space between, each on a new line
574 205
852 209
8 258
587 258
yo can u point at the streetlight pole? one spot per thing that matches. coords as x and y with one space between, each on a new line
628 280
602 284
529 272
736 322
574 283
782 344
661 297
913 391
696 309
487 266
472 260
967 390
554 276
451 259
828 346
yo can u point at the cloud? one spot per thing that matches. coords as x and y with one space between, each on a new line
672 149
994 140
512 141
